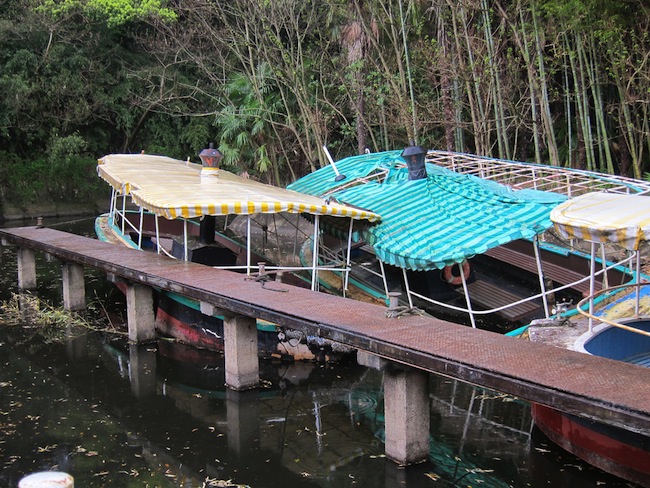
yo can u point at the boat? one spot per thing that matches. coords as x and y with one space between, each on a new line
613 322
464 237
206 215
585 231
449 222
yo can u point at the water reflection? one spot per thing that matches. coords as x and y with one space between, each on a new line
112 414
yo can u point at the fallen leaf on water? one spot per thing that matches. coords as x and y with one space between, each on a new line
46 448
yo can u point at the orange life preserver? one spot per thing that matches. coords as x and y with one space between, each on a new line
448 275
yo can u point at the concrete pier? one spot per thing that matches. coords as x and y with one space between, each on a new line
240 346
26 268
406 410
140 313
74 288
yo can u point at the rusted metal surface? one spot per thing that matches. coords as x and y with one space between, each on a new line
592 387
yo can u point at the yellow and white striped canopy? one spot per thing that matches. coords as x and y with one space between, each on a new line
605 217
173 188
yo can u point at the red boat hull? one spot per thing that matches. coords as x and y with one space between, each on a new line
617 451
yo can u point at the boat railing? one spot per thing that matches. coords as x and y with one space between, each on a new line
545 293
584 308
116 212
568 181
264 267
335 261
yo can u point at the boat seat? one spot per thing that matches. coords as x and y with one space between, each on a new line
489 295
555 272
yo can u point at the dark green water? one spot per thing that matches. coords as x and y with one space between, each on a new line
114 415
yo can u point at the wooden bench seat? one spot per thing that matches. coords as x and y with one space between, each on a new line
556 272
489 296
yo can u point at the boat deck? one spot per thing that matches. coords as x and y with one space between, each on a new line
575 383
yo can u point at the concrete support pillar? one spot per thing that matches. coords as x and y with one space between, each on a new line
140 314
240 347
406 410
26 268
74 288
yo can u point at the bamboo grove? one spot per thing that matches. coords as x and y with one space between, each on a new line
562 82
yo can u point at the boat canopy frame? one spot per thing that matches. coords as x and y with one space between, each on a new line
600 218
120 172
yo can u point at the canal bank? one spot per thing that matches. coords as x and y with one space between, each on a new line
27 213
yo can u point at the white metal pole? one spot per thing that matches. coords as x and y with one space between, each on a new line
123 209
314 258
408 290
383 277
347 258
157 234
638 283
592 280
331 160
111 212
248 245
467 298
540 274
604 260
140 228
187 253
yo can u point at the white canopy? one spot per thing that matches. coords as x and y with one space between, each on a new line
173 188
605 217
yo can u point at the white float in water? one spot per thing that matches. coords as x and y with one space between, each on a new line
47 479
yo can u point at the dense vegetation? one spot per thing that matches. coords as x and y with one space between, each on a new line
564 82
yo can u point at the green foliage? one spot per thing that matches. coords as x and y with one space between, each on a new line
246 123
52 324
114 12
272 81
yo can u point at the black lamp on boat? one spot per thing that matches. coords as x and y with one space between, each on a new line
210 160
414 157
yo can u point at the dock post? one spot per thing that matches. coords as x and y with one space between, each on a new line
139 313
74 291
240 347
26 268
407 411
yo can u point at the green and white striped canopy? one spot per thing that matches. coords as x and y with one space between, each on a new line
434 222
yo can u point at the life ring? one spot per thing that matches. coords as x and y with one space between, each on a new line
449 277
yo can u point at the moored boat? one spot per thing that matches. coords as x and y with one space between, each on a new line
613 323
222 220
466 237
